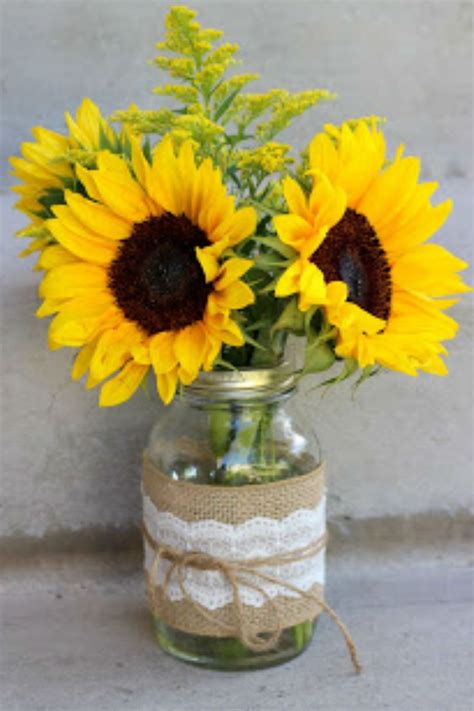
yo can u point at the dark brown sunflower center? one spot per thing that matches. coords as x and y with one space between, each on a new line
352 253
156 278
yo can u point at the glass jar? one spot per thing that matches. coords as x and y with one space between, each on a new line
231 428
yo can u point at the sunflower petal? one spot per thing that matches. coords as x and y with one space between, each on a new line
55 256
49 307
69 280
187 172
213 347
122 195
293 230
91 248
87 179
208 262
328 204
353 161
236 228
166 385
232 270
82 360
230 333
114 348
312 287
202 186
81 318
430 269
189 347
289 282
237 295
97 218
435 366
296 199
123 386
165 186
162 354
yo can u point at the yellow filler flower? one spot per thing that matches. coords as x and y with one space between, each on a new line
360 249
143 280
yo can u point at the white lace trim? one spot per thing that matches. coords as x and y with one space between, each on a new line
255 538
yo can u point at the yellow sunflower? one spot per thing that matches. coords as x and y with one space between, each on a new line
45 171
360 252
138 278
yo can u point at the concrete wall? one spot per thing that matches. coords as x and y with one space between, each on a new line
403 446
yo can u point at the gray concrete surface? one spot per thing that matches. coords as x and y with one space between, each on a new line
402 447
77 637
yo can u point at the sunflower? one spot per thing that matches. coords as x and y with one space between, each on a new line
140 278
46 172
360 249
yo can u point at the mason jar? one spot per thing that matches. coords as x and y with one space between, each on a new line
229 429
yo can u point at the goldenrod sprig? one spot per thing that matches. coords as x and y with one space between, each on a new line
236 129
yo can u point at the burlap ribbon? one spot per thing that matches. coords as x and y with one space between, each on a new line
257 629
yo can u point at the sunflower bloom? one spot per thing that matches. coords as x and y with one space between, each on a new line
45 172
140 279
361 252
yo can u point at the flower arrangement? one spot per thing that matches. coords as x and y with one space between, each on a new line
205 247
191 240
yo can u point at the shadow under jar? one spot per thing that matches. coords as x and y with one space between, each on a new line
231 429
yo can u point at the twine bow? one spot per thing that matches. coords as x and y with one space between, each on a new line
240 573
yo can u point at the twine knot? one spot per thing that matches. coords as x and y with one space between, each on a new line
240 573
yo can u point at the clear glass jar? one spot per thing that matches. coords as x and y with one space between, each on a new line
231 428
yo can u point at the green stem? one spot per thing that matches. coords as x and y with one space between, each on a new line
241 438
302 634
298 635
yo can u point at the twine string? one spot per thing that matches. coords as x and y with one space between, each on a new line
235 573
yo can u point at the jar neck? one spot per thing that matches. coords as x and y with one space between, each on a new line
244 386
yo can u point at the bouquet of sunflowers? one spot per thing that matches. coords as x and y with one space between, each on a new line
191 239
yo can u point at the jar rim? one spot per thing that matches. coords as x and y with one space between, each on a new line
243 384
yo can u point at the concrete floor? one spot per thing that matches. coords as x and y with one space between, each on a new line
76 637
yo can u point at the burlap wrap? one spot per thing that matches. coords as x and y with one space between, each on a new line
232 504
258 627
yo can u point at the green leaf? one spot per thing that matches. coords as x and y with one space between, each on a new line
349 368
226 103
261 323
277 246
318 357
253 342
52 196
232 172
146 148
263 359
216 86
309 326
291 319
104 143
225 364
269 287
262 226
368 372
234 138
264 261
